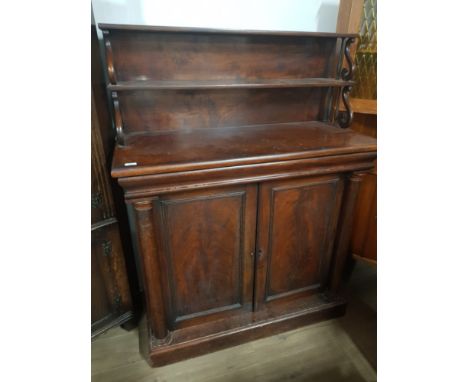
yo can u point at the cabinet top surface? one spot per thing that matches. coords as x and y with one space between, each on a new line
169 29
195 149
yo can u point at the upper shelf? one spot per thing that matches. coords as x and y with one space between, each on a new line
228 84
170 29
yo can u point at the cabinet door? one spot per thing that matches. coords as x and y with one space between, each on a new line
208 241
296 230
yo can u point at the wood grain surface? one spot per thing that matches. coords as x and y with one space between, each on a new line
208 148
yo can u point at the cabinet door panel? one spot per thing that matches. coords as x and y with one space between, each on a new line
207 240
297 223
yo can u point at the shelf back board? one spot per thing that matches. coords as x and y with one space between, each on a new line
184 109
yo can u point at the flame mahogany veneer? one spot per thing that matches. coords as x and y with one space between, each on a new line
239 177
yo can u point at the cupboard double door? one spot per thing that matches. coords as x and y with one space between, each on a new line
245 247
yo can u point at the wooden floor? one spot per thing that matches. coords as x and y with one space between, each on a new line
337 350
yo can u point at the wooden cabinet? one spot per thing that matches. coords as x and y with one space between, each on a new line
240 177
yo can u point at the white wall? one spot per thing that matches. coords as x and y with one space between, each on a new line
298 15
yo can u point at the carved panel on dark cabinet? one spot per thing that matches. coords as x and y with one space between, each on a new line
208 237
297 222
110 296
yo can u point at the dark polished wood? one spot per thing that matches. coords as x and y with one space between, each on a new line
176 78
344 231
165 110
228 84
195 149
294 248
152 271
209 241
177 54
364 237
193 30
241 182
239 327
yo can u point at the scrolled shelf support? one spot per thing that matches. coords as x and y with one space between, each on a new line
119 137
109 57
348 71
118 120
344 118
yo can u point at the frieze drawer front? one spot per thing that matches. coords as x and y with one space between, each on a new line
240 176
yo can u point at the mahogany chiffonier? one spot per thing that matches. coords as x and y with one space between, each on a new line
240 178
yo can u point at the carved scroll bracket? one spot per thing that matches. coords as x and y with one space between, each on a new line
348 71
109 57
345 118
118 120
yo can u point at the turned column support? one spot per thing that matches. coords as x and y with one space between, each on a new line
345 229
151 268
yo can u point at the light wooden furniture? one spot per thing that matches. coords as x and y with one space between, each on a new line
240 177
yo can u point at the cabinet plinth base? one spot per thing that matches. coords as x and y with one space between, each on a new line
189 342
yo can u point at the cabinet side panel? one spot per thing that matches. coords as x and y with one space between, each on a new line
203 238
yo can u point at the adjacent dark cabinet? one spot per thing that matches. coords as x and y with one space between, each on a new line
240 177
111 302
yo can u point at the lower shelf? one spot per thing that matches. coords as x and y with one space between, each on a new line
242 327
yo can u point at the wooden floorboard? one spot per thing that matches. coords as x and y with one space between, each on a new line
337 350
